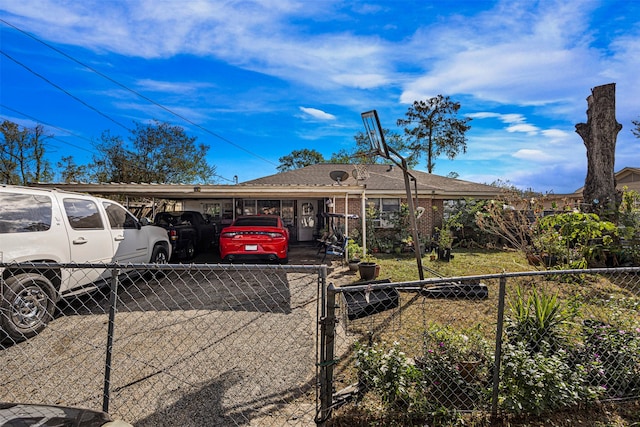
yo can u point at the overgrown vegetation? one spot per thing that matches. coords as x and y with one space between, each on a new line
565 237
566 348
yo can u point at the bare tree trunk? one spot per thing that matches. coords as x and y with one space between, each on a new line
599 135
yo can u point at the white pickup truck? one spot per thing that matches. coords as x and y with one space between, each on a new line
51 226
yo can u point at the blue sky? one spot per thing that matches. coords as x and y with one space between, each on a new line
255 80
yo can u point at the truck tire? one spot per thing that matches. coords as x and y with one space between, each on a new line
28 305
159 255
190 250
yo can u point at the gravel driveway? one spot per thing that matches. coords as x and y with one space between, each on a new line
202 347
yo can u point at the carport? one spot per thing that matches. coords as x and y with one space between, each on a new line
301 206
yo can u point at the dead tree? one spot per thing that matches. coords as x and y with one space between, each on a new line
599 135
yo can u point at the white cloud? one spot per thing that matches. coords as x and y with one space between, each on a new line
533 155
170 87
516 122
317 114
523 127
550 61
361 81
512 118
555 133
492 55
484 115
542 55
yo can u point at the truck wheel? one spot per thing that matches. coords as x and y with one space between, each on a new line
190 250
28 305
159 255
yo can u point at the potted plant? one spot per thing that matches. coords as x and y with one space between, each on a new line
408 243
368 268
445 240
353 264
444 236
354 250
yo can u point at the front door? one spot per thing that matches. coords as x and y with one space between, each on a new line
307 218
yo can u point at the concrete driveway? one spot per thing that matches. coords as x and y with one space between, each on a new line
298 255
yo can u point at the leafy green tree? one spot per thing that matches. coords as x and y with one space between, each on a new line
342 156
72 172
22 154
434 129
158 152
362 148
299 158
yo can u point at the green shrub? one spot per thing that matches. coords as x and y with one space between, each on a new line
617 352
386 372
537 318
571 236
539 382
455 367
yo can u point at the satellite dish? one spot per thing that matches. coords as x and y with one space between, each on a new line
339 176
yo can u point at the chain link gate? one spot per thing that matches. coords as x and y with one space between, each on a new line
188 345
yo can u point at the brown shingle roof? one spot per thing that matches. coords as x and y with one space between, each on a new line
381 178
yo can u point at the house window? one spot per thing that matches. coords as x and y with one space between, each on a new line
269 207
261 207
385 209
219 209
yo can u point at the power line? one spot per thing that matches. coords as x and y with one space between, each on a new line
54 127
64 91
139 94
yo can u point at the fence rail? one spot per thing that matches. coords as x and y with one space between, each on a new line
171 344
523 343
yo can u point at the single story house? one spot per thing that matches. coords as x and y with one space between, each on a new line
303 196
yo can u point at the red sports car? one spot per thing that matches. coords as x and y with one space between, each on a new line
255 238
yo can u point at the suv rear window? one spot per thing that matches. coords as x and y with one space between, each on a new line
23 213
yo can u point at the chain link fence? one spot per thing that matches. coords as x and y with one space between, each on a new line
274 345
187 345
516 343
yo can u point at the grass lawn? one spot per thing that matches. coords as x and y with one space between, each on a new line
466 262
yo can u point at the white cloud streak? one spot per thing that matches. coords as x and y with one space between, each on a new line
317 114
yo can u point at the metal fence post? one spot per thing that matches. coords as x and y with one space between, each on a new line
327 351
498 351
113 298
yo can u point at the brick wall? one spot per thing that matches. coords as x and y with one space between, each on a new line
426 223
